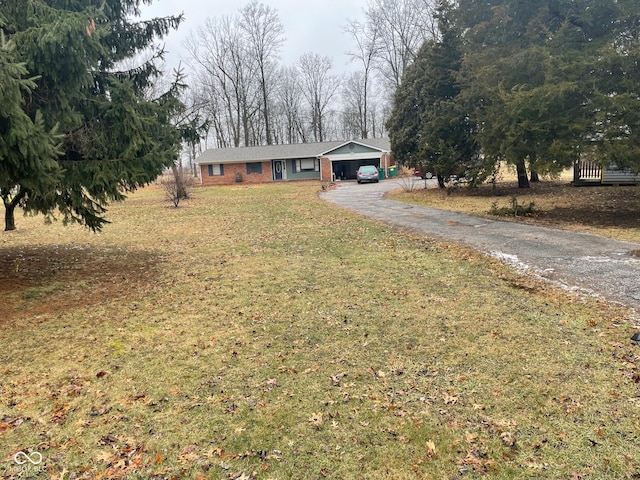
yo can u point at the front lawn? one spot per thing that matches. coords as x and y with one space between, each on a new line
258 332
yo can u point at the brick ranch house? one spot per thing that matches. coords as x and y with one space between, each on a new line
324 161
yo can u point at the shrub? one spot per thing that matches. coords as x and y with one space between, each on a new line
409 184
176 185
513 210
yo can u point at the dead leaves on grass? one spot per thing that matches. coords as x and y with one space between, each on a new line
7 422
121 461
122 458
432 451
383 406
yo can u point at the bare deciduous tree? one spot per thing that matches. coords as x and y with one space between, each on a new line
402 26
250 99
319 87
218 55
195 124
354 115
290 122
265 35
367 49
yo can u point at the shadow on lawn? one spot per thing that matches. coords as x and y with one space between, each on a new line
591 216
592 206
52 279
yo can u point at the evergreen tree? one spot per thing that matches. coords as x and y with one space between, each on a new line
405 121
535 84
613 77
114 140
553 79
28 152
430 126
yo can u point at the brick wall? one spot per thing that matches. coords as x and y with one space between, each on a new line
230 170
325 170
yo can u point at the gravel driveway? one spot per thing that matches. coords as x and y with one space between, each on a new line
580 261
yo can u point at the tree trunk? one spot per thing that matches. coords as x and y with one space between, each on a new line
365 113
441 183
9 217
10 209
534 176
523 179
265 100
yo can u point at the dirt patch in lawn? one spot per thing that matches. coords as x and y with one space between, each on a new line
40 279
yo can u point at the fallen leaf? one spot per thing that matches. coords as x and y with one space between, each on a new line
431 448
316 420
188 449
449 399
470 437
335 379
507 439
536 465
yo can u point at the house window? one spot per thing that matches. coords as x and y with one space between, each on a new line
217 169
307 165
254 167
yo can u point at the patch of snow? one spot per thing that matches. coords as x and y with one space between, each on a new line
510 259
543 274
602 259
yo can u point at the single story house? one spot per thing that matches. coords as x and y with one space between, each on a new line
324 161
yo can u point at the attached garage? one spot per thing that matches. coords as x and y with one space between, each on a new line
342 162
346 169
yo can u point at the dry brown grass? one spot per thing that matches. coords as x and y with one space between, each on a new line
257 332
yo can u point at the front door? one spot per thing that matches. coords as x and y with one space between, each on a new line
278 169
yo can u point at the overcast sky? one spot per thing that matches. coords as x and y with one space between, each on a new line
309 26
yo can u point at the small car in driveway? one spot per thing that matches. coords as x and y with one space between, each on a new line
367 173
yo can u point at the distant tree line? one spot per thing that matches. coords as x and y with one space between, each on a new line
538 85
248 97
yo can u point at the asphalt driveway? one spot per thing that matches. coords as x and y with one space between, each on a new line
580 261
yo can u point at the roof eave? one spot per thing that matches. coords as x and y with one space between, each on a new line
373 147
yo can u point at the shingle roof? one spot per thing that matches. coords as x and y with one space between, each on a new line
281 152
